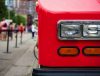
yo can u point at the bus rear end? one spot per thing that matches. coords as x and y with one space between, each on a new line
69 38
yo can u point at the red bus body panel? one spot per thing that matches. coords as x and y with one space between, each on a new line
49 13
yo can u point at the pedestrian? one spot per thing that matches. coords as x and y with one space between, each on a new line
21 28
33 31
0 31
4 28
29 28
10 28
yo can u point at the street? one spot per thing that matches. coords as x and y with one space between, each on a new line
19 61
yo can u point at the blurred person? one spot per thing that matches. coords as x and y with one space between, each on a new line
4 27
10 27
33 31
21 28
29 28
0 31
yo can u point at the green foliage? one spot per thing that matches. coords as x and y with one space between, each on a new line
19 19
4 13
12 14
3 10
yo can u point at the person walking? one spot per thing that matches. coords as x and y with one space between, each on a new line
21 28
0 32
33 31
4 27
10 27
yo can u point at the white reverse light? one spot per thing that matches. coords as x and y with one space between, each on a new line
91 31
79 30
70 30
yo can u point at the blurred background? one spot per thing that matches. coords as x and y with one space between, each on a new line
18 37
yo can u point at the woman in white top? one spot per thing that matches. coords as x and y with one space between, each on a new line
33 31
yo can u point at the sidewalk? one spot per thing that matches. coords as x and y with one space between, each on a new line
20 61
25 65
3 44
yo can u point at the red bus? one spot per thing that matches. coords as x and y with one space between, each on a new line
69 38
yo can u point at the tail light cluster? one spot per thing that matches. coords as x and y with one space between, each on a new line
79 30
75 51
91 51
68 51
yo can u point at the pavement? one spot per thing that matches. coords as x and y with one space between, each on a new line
19 61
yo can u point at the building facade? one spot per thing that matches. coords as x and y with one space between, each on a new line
11 4
22 6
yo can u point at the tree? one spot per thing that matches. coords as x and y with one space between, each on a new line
19 19
3 10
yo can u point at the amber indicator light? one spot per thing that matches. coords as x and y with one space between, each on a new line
92 51
68 51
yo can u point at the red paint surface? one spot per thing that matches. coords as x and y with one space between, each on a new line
70 5
49 13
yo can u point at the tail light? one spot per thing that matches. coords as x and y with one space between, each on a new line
93 51
68 51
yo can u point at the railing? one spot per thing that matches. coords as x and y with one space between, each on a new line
8 31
